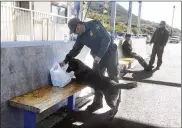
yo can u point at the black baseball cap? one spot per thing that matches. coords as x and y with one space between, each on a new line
128 35
72 23
162 23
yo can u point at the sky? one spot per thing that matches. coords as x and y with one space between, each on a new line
157 11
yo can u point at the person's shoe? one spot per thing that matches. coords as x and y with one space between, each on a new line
94 106
157 68
149 68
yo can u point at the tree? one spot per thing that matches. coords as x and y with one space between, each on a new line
134 30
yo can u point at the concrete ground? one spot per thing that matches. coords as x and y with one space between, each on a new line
155 103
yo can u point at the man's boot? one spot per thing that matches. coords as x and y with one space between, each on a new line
157 68
149 68
159 63
97 102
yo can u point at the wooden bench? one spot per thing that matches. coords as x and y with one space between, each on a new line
126 62
42 99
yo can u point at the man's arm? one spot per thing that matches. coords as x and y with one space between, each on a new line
105 39
153 36
166 37
77 47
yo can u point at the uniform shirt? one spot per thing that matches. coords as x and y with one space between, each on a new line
160 36
95 37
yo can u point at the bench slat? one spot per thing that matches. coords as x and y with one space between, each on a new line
44 97
127 59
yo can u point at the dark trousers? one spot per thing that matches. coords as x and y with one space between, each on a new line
159 52
109 62
140 60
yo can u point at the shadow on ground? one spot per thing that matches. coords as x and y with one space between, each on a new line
141 75
82 119
154 82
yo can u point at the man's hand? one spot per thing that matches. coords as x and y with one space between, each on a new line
62 64
97 59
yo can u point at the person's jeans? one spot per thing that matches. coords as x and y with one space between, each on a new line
140 60
157 50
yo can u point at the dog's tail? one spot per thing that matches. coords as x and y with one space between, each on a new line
126 85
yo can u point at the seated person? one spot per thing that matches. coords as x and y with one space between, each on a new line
127 52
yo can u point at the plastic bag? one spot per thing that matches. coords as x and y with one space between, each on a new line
58 76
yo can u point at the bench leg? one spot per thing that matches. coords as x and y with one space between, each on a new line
71 102
29 119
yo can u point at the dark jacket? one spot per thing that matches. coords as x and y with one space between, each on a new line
127 49
96 38
160 37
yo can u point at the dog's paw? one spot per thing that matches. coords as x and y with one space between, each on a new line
73 80
78 82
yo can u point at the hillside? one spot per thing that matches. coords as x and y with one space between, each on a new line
96 12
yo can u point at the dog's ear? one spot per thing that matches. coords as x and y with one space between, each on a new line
68 58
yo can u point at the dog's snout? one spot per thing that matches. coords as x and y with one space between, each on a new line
68 69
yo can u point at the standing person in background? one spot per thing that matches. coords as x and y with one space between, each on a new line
159 39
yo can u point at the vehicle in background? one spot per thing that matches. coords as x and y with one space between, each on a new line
134 36
120 35
174 39
147 37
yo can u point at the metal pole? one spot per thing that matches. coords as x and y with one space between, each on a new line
139 16
68 11
31 22
113 18
129 17
172 21
88 7
81 11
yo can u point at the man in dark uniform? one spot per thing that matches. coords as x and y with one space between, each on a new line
127 51
159 38
104 51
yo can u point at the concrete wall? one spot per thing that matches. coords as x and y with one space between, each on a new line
25 67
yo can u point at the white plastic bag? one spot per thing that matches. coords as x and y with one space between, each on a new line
58 76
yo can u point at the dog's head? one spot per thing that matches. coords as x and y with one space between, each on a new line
72 65
75 65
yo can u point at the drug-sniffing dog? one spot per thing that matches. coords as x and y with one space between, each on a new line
85 75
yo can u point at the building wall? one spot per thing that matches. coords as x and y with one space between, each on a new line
42 6
8 3
16 23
